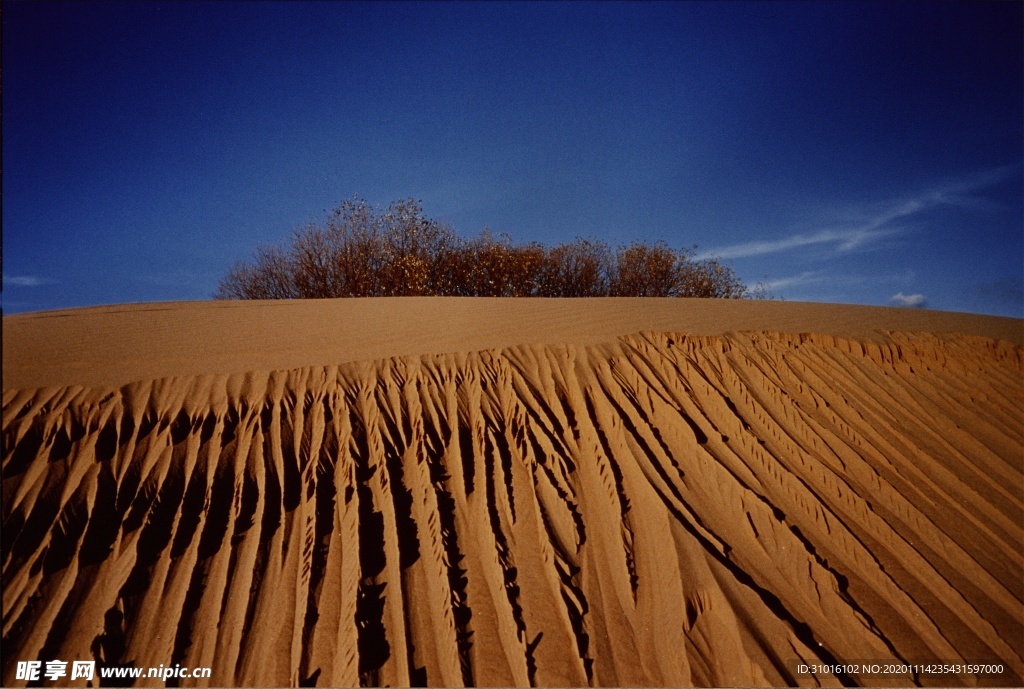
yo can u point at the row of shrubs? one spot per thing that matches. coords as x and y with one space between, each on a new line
360 252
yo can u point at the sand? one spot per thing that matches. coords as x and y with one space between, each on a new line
607 492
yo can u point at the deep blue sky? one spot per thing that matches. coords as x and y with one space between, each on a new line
849 152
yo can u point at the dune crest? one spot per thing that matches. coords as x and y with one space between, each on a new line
663 510
113 345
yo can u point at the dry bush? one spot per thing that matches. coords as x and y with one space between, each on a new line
489 266
576 269
399 252
709 278
415 252
270 277
642 270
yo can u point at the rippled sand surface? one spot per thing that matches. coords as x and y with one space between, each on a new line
515 492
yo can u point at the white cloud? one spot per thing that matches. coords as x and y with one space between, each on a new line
24 280
793 280
913 301
868 225
845 240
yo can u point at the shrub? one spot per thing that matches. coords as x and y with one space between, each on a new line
399 252
577 269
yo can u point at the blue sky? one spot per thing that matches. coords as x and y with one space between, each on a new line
847 152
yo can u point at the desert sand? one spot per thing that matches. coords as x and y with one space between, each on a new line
607 492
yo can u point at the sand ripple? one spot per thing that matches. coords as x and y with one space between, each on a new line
663 510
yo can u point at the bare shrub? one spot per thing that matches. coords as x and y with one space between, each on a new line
270 277
763 291
359 252
709 278
491 266
643 270
415 251
576 269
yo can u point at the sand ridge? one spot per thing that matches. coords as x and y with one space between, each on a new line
114 345
658 509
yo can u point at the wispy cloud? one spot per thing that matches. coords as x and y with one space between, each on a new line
913 301
25 280
865 227
794 280
817 277
845 240
961 192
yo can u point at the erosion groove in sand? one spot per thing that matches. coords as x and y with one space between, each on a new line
665 510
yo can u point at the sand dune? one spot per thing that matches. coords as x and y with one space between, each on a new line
516 493
114 345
